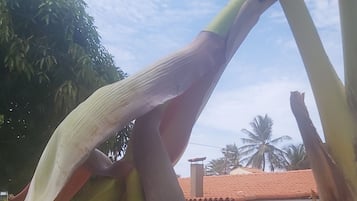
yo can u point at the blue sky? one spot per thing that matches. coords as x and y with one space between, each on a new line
257 81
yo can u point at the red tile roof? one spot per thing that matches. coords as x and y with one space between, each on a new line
257 186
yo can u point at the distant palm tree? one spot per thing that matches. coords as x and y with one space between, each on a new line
296 157
225 164
217 167
261 147
232 156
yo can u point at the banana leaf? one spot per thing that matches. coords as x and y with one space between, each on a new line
180 83
335 166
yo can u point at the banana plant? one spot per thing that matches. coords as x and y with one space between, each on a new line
334 164
165 98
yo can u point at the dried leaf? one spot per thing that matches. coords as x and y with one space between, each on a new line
330 181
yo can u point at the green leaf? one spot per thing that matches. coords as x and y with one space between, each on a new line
1 119
222 23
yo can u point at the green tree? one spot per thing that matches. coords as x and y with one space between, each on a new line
260 148
232 156
1 119
51 59
217 167
116 146
225 164
296 157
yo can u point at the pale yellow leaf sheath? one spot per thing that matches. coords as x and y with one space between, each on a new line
348 18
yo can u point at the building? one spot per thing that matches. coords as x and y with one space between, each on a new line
244 170
263 186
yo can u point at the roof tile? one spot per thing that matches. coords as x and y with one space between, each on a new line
279 185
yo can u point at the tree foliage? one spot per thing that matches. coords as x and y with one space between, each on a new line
116 146
296 157
51 59
225 164
217 167
260 148
232 156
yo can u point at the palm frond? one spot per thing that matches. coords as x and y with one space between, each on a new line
280 139
252 135
250 141
257 160
248 152
248 147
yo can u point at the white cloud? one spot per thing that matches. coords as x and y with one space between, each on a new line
286 43
135 27
232 110
132 11
325 13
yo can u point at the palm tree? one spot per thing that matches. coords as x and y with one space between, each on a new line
232 155
296 157
217 167
225 164
260 147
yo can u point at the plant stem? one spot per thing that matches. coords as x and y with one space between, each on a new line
223 21
336 117
348 16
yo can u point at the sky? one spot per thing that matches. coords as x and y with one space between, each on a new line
257 81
